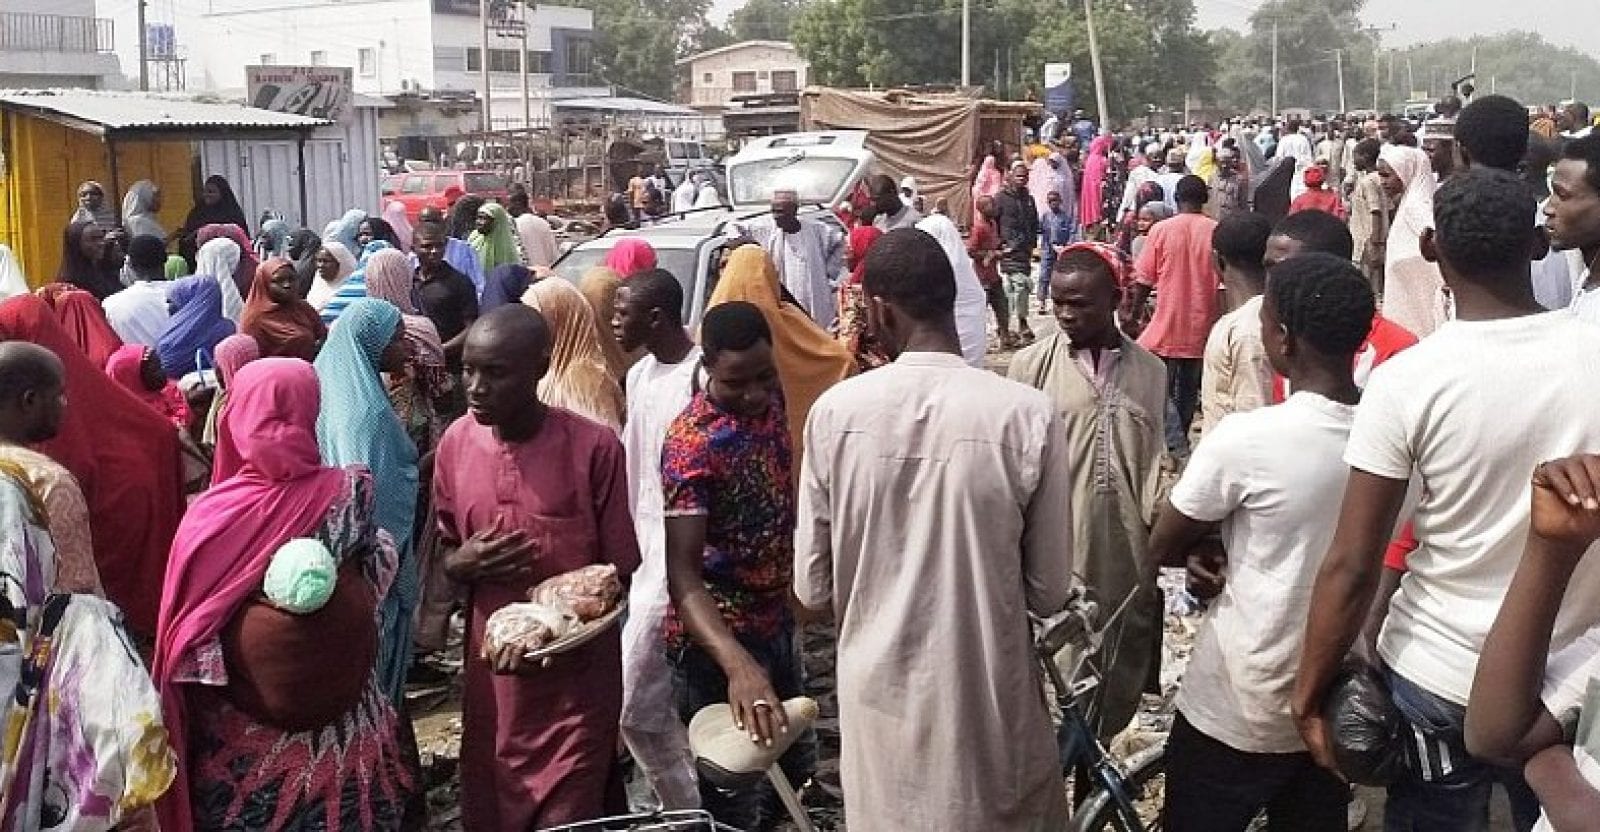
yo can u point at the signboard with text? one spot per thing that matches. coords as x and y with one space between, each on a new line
1058 91
313 91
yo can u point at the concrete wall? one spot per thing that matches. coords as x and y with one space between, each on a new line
711 78
412 46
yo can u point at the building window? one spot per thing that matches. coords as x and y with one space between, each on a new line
580 56
785 80
707 79
539 63
744 82
474 59
319 57
367 62
268 59
450 58
505 60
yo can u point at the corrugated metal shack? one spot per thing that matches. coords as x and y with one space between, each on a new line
51 140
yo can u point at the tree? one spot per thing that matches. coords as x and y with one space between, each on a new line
637 41
764 19
1149 48
1316 40
1520 64
829 34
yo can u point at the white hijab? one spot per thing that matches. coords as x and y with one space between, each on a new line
1415 295
539 245
137 217
971 312
217 260
321 290
12 281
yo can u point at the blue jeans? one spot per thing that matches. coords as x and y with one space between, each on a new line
1183 399
1444 789
698 681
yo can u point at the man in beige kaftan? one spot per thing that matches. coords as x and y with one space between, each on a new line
1111 395
934 515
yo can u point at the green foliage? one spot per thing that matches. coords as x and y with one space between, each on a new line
1520 64
638 40
764 19
1149 48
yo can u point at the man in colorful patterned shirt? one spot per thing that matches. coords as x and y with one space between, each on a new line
726 474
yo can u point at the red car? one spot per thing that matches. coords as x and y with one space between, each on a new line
441 188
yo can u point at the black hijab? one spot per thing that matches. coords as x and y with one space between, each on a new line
303 247
102 279
464 216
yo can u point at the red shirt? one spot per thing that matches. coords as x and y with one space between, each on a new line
984 241
1319 199
1177 261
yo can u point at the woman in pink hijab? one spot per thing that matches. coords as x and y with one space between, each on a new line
305 737
1091 191
630 256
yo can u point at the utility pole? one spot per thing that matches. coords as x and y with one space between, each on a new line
1094 59
483 62
144 48
1377 59
966 43
1573 94
1411 79
527 100
1338 63
1274 67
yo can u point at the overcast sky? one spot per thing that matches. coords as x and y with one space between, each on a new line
1563 22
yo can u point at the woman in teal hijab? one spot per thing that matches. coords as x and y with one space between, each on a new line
358 426
493 238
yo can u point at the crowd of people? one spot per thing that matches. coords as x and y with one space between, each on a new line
1340 380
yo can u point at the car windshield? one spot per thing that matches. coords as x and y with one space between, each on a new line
813 178
478 183
681 262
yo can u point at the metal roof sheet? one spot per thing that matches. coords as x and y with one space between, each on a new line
112 112
623 104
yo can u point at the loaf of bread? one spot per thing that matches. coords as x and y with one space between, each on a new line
530 626
589 593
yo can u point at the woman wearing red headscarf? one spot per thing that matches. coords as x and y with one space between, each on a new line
282 322
125 458
1317 197
81 316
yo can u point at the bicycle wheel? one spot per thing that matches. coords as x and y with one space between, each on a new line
1146 787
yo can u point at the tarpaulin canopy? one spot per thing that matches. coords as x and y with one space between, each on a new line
934 138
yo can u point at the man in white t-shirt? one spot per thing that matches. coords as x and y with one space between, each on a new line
1470 410
649 316
1267 477
1556 733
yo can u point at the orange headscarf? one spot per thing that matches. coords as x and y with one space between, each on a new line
578 379
599 287
290 330
809 361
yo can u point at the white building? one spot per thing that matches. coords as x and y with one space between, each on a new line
424 54
710 80
58 43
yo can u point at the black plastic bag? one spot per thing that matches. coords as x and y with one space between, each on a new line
1365 729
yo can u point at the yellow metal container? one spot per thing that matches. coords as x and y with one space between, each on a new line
43 163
